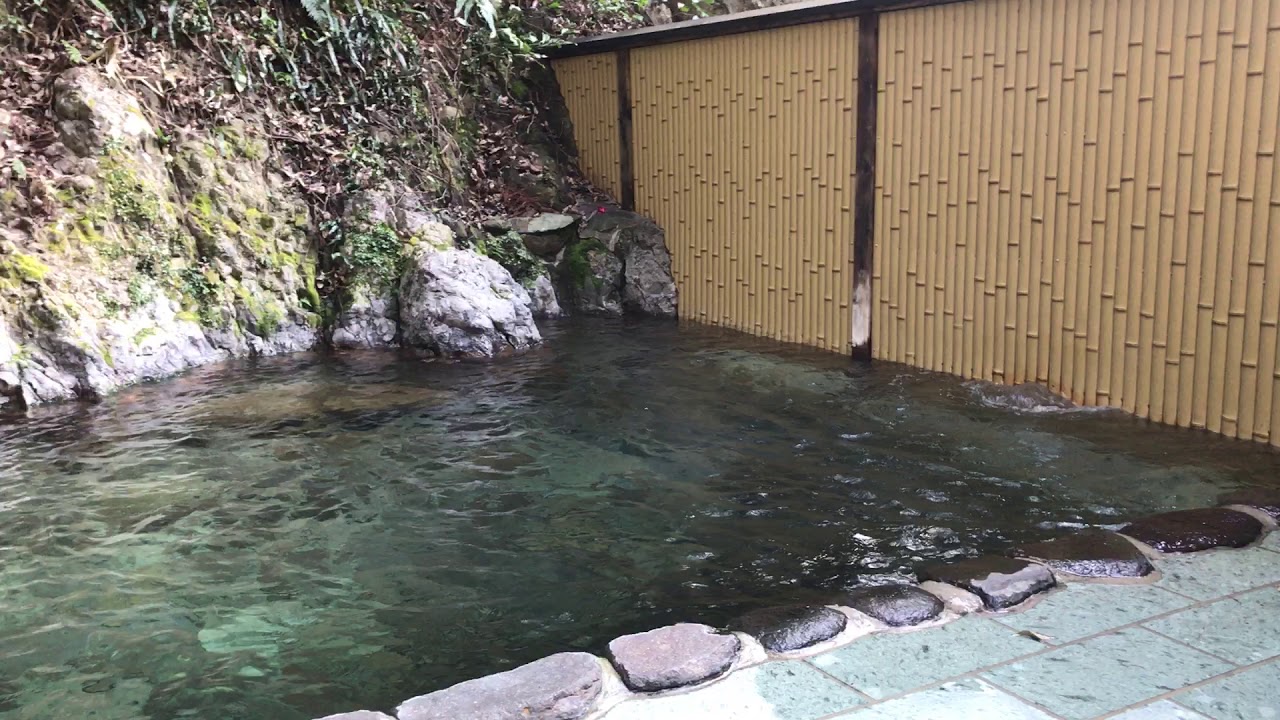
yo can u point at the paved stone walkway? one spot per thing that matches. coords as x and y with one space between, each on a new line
1201 642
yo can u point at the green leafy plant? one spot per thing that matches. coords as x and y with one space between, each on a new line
374 255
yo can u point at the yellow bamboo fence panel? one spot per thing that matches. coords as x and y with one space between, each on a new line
1086 194
589 86
744 154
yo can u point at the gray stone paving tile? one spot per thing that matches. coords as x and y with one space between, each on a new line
1080 610
888 664
1273 541
789 690
962 700
1163 710
1244 629
1210 575
1106 673
1251 695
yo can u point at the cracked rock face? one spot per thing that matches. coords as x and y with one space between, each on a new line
785 629
1093 553
564 686
1001 582
895 605
1195 530
673 656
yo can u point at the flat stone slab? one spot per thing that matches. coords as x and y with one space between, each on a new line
564 686
784 629
897 605
544 223
1091 553
1001 582
1195 530
358 715
673 656
1263 499
960 602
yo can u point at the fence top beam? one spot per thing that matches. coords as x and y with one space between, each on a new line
801 13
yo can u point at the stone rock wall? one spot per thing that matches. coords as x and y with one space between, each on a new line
137 261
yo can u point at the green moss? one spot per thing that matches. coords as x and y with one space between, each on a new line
269 321
22 356
301 221
201 204
309 296
142 335
509 251
242 145
107 357
26 268
85 231
130 198
188 316
577 261
200 290
140 292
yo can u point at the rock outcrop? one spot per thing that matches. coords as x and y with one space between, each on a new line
381 228
138 259
619 264
134 262
458 303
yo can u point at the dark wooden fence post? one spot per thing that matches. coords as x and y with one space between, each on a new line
864 192
627 179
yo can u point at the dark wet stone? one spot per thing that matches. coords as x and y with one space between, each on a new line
1090 553
895 605
1194 530
673 656
1001 582
784 629
560 687
1264 499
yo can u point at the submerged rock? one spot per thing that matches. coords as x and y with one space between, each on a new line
1194 530
1024 397
1264 500
785 629
1001 582
1093 553
673 656
897 605
458 303
564 686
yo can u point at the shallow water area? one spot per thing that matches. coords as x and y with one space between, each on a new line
298 536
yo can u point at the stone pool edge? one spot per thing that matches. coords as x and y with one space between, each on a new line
582 686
